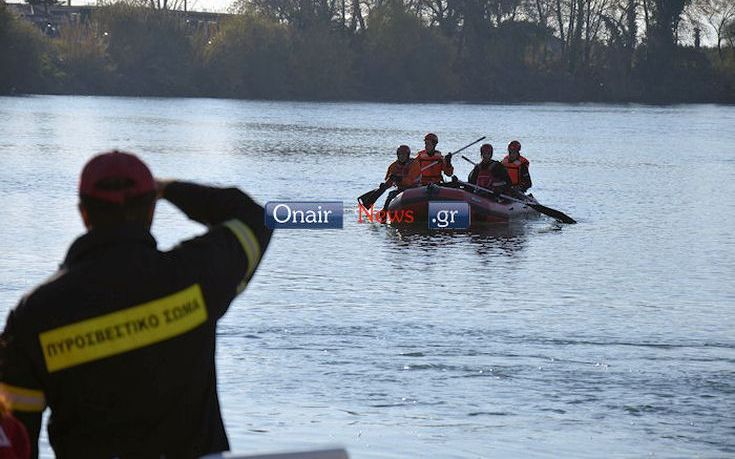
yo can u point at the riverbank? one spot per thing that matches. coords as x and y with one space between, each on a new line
394 56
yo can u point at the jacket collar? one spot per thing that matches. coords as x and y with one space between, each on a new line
96 239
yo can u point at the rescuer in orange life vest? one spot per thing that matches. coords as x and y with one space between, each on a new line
489 173
517 167
429 164
398 174
120 342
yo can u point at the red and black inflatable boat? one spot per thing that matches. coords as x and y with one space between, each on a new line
485 208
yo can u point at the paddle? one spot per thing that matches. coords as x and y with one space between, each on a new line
467 146
369 198
553 213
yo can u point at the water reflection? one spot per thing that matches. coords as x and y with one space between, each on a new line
487 241
504 240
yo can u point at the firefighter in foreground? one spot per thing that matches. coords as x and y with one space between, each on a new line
120 342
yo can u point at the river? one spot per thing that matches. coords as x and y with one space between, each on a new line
614 337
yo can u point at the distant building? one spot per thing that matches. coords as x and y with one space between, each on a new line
59 16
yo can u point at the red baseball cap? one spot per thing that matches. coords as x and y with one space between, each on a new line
115 177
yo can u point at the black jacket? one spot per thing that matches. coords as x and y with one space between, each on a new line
120 342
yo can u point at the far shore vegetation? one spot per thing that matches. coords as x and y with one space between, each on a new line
384 50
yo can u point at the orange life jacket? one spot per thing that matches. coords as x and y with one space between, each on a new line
402 171
432 174
514 168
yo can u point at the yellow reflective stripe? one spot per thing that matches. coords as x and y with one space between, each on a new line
125 330
248 241
22 399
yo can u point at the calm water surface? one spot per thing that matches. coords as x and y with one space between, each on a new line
614 337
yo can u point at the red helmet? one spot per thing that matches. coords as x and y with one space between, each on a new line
486 148
403 149
514 145
432 137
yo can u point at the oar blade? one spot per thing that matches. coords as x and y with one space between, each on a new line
368 199
361 199
553 213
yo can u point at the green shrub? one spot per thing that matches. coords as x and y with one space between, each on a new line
403 59
248 58
25 63
151 49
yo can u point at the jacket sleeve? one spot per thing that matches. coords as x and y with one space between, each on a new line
472 178
20 386
227 256
414 171
447 166
525 179
387 179
503 178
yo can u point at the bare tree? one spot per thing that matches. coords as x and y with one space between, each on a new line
717 14
299 13
152 4
540 10
621 23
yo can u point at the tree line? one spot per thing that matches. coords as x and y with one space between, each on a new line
391 50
